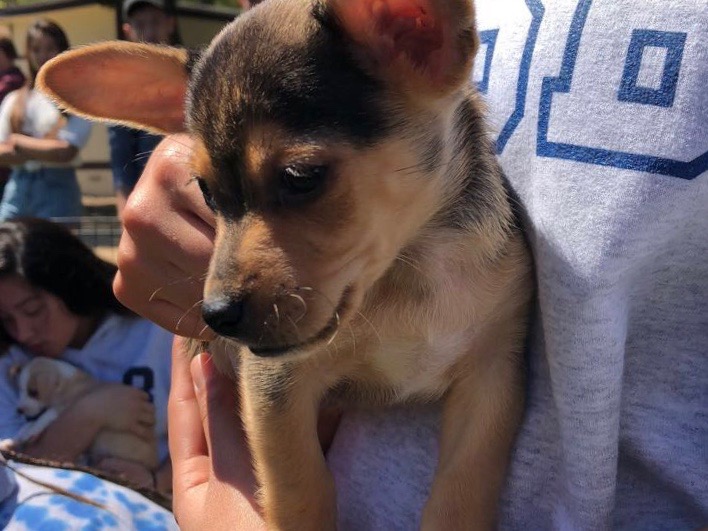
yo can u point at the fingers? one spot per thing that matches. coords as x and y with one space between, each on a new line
168 238
147 416
146 433
217 401
188 446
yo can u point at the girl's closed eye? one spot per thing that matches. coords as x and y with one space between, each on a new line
35 310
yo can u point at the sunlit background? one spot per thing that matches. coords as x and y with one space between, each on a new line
87 21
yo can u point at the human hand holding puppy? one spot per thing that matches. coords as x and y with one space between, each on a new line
213 480
214 484
167 242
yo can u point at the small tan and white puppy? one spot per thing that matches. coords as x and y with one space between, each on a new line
366 251
47 387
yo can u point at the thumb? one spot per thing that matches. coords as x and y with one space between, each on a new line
217 397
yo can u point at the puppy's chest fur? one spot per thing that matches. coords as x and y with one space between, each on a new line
412 337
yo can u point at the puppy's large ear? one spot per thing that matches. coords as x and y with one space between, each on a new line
138 85
420 45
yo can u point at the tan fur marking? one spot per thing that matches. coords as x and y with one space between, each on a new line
201 161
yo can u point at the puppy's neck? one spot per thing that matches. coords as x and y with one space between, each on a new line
476 198
473 234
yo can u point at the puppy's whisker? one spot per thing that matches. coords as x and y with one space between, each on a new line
376 332
277 314
297 329
173 156
351 331
410 263
424 167
185 314
304 305
204 329
171 284
144 155
319 293
336 329
334 335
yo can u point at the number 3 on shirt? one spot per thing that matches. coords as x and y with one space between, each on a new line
140 377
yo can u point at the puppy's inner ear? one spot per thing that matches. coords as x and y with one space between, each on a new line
424 45
139 85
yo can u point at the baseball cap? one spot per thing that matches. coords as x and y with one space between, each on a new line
129 5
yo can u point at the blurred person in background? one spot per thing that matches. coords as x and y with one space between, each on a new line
144 21
56 301
11 78
40 142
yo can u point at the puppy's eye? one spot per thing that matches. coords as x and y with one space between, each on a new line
32 393
208 198
299 184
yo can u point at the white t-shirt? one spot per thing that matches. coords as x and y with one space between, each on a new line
41 116
125 350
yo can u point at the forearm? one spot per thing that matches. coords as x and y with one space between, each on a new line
69 436
8 155
44 149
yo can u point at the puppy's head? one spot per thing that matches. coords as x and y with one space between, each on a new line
320 128
43 383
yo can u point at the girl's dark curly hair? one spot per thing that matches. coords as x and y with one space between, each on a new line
48 256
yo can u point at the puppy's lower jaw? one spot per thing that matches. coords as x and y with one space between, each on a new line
324 335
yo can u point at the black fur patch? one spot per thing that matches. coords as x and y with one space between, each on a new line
292 71
193 56
482 195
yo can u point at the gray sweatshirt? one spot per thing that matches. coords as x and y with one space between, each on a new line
600 110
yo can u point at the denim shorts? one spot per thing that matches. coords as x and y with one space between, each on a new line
42 193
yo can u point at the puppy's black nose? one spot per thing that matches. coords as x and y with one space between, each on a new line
223 315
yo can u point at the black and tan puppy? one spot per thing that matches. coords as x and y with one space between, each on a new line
366 248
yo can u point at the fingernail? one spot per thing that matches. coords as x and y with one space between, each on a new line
197 370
